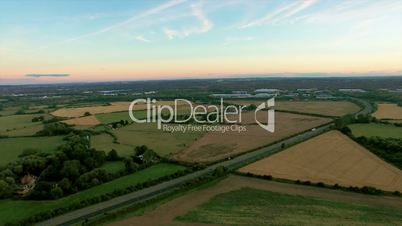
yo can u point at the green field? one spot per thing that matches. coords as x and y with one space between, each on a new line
113 167
380 130
161 142
19 125
10 148
104 142
249 206
14 210
117 116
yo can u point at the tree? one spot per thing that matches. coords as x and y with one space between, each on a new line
87 114
56 192
5 189
71 169
113 156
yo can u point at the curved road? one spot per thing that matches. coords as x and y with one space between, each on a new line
80 215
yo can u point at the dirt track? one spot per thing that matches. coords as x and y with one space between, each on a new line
167 212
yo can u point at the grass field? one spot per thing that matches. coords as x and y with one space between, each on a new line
379 130
113 167
161 142
388 111
10 148
215 146
329 108
105 143
248 206
167 211
14 210
331 158
19 125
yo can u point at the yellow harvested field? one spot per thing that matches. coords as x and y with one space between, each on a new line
113 107
388 111
331 158
83 121
329 108
215 146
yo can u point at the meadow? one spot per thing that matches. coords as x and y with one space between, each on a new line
249 206
104 142
19 125
15 210
163 143
331 158
113 167
11 148
376 130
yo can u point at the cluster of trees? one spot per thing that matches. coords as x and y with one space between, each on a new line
390 149
119 124
143 157
344 121
38 119
54 129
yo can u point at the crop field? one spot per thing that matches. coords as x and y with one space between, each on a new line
113 107
10 148
331 158
14 210
388 111
163 143
117 116
19 125
105 143
258 207
328 108
214 146
376 130
238 200
83 121
9 111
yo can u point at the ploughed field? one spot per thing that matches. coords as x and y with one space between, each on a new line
388 111
328 108
215 146
331 158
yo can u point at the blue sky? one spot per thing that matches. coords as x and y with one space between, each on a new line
128 40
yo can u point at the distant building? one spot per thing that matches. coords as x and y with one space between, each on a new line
352 90
309 90
267 91
150 92
232 95
266 95
239 92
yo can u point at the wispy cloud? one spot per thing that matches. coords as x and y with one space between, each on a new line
281 13
198 13
236 40
141 38
47 75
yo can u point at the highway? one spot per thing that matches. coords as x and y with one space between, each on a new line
80 215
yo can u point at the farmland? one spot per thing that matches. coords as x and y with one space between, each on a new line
12 147
379 130
83 121
388 111
328 108
331 158
74 112
216 145
163 143
14 210
258 207
19 125
238 200
105 143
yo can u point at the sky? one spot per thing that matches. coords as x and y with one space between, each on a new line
102 40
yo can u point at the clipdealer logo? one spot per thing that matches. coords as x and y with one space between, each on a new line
210 117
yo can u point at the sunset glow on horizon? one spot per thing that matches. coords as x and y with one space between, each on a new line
66 41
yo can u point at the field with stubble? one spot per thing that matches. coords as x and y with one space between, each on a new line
215 146
331 158
388 111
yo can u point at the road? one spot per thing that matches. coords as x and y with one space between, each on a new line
80 215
